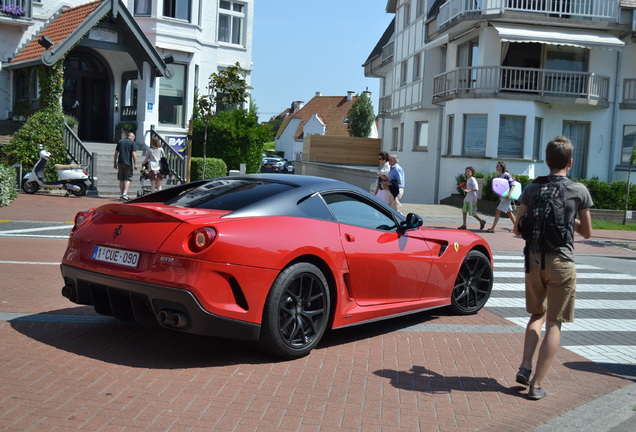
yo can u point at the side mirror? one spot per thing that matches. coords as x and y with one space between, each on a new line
412 221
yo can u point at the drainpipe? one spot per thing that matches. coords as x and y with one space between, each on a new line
619 63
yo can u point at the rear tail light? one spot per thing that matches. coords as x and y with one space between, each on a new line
202 238
80 218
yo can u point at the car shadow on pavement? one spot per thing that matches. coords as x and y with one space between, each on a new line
116 342
625 371
421 379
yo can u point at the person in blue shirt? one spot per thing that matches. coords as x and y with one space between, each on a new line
396 182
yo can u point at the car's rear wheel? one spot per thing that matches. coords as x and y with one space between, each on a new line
296 311
473 284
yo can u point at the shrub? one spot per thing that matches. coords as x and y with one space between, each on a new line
607 196
7 185
213 168
44 127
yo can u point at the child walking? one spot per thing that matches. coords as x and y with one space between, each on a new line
505 203
470 201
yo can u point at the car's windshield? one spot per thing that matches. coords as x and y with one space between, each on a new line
228 194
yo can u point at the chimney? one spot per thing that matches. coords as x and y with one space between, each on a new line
318 93
296 106
368 93
350 95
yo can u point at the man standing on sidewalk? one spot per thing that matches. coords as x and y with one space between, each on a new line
124 161
395 182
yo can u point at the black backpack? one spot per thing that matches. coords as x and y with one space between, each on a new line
544 222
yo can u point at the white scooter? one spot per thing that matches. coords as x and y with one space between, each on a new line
71 178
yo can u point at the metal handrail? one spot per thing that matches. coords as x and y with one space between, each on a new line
79 154
599 10
176 162
545 82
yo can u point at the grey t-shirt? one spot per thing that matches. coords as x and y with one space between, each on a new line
125 148
578 198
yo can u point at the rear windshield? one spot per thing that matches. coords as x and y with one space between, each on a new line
228 195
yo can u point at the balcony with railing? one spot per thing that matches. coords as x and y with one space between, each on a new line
384 106
511 82
377 63
16 11
598 10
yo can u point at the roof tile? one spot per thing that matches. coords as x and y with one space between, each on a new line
61 28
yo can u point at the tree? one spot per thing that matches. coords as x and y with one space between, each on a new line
361 117
226 89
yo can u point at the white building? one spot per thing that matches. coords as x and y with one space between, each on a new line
131 60
473 82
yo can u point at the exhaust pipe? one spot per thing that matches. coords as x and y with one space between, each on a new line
67 292
164 317
179 320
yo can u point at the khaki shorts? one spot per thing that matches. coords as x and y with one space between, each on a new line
552 290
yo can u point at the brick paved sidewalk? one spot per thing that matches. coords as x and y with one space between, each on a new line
62 367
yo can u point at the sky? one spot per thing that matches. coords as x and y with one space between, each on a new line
301 47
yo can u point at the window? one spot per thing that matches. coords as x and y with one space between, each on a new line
511 132
421 136
629 141
350 210
395 137
143 7
179 9
130 88
401 137
579 134
451 127
403 72
420 8
231 19
417 66
406 10
538 133
475 130
25 93
172 97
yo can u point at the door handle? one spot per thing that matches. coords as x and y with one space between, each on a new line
350 238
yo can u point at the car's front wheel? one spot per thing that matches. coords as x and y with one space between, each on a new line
473 284
296 311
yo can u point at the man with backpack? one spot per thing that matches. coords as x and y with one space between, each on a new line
547 220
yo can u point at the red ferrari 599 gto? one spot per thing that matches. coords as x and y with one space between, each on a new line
272 258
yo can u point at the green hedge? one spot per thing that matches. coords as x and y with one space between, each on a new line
607 196
7 185
213 168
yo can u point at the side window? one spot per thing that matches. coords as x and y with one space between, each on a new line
231 22
349 210
179 9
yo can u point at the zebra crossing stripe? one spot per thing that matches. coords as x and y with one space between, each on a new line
580 288
507 296
579 275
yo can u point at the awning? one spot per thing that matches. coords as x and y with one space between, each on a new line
553 36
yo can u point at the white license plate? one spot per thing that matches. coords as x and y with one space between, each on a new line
116 256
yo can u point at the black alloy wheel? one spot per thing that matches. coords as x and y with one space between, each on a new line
296 311
473 284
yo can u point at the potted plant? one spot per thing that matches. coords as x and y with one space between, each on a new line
123 127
